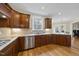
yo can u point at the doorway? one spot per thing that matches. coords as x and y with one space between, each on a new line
75 29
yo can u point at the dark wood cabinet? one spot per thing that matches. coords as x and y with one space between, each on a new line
38 41
11 49
60 39
68 40
48 23
8 51
19 20
52 39
41 40
21 43
4 22
5 10
64 40
15 19
24 21
44 39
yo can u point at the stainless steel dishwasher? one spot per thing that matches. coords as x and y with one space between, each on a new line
29 42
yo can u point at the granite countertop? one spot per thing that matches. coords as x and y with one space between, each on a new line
22 32
11 39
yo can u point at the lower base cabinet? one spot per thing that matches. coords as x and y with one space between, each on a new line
52 39
41 40
64 40
61 40
38 41
13 48
68 40
21 43
10 50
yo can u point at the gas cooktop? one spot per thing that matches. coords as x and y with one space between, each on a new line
2 42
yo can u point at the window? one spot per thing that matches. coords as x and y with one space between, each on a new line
37 23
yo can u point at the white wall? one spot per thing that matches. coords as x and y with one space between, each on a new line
67 26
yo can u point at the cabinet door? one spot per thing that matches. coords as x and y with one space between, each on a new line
61 40
41 40
44 39
4 22
5 10
38 41
21 43
8 52
52 39
48 23
68 40
11 49
14 48
24 21
15 19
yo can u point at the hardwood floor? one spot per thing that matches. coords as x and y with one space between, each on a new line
54 50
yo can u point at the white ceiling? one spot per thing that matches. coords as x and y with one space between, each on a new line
67 11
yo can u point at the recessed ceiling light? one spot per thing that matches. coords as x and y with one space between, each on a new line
3 16
59 13
16 30
43 8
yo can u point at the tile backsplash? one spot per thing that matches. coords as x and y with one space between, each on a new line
5 31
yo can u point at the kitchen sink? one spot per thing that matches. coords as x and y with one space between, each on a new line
2 42
38 32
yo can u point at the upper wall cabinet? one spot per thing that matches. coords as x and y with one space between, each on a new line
4 20
19 20
5 15
13 18
48 23
14 21
5 9
24 21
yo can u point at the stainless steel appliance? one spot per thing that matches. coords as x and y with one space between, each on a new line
29 42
